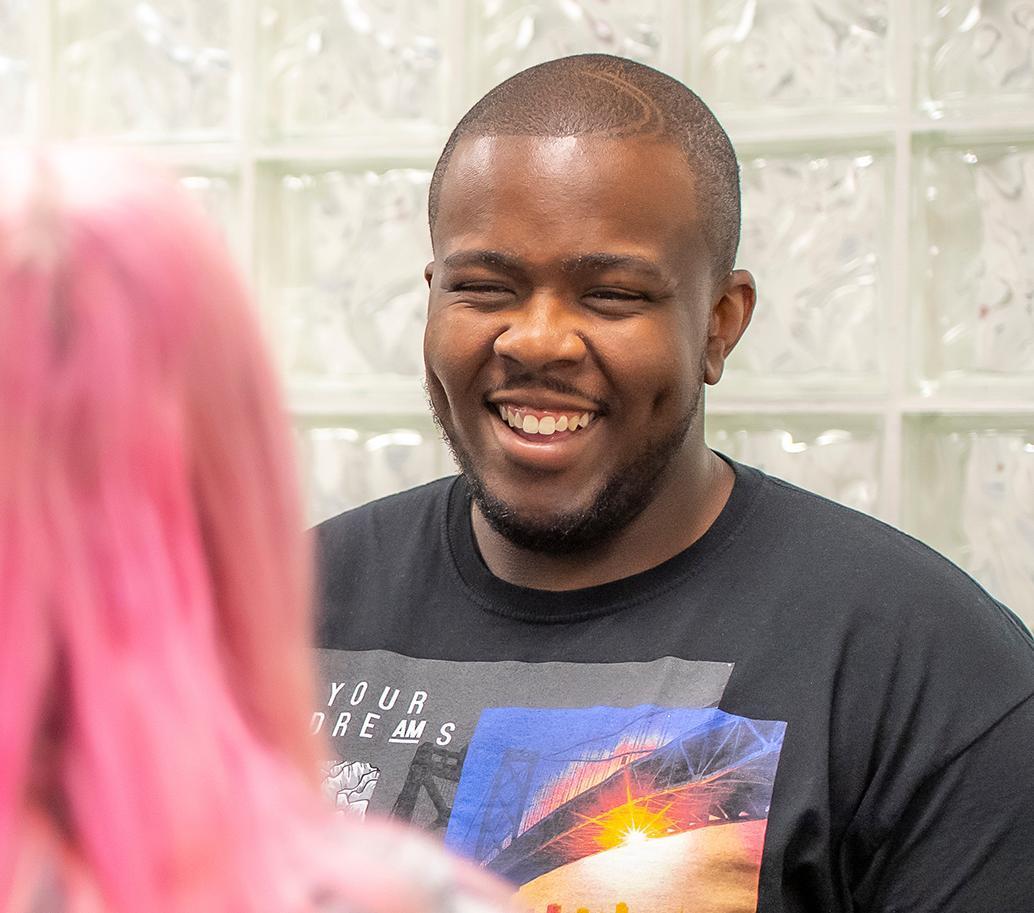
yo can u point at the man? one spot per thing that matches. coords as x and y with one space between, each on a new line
605 662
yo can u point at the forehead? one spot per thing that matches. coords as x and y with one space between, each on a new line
534 194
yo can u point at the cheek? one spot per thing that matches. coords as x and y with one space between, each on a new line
455 350
662 366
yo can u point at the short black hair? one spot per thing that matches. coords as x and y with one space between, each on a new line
615 97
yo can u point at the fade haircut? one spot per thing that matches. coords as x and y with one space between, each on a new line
614 98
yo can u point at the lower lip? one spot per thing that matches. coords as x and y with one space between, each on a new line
543 438
547 453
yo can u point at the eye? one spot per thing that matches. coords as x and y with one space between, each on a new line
613 294
481 294
480 288
615 302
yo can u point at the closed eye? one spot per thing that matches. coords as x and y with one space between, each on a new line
615 303
482 295
479 288
613 294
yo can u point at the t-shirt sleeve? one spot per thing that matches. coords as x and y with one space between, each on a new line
964 842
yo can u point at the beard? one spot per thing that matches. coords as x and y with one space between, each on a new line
621 498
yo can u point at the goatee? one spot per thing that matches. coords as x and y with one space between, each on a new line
621 498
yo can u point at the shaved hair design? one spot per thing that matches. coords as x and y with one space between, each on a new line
615 98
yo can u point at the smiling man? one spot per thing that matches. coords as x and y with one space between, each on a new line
578 424
605 662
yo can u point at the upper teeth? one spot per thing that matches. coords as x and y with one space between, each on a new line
547 424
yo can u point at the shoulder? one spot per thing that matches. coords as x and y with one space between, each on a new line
389 519
851 554
373 563
880 592
895 614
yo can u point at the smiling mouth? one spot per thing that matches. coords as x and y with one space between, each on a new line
543 424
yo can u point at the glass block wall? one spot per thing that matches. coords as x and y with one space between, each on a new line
887 151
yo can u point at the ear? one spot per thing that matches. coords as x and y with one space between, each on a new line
729 318
429 273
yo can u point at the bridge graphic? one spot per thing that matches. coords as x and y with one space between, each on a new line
632 784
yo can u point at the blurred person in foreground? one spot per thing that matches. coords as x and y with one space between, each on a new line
155 679
659 679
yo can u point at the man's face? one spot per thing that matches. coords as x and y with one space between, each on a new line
568 313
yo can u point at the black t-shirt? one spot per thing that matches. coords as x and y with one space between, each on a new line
805 710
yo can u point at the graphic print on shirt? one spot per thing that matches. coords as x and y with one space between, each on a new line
350 785
595 787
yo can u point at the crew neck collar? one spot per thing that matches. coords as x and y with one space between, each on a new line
500 597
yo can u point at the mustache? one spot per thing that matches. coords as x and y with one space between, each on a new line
531 382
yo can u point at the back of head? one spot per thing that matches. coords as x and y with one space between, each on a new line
615 98
155 669
154 679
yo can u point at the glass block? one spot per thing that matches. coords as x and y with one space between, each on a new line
970 495
511 35
219 195
795 54
344 255
835 456
978 263
160 70
16 66
347 464
971 55
333 67
815 235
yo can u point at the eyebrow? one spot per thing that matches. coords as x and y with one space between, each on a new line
494 259
498 259
612 261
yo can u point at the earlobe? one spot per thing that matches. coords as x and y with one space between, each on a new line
729 319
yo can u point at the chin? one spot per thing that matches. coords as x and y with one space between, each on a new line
556 535
576 529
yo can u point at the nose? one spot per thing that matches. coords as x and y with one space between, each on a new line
543 331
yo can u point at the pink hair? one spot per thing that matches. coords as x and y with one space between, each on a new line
155 680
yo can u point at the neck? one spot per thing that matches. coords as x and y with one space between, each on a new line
691 496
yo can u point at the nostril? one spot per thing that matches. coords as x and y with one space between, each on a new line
531 345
